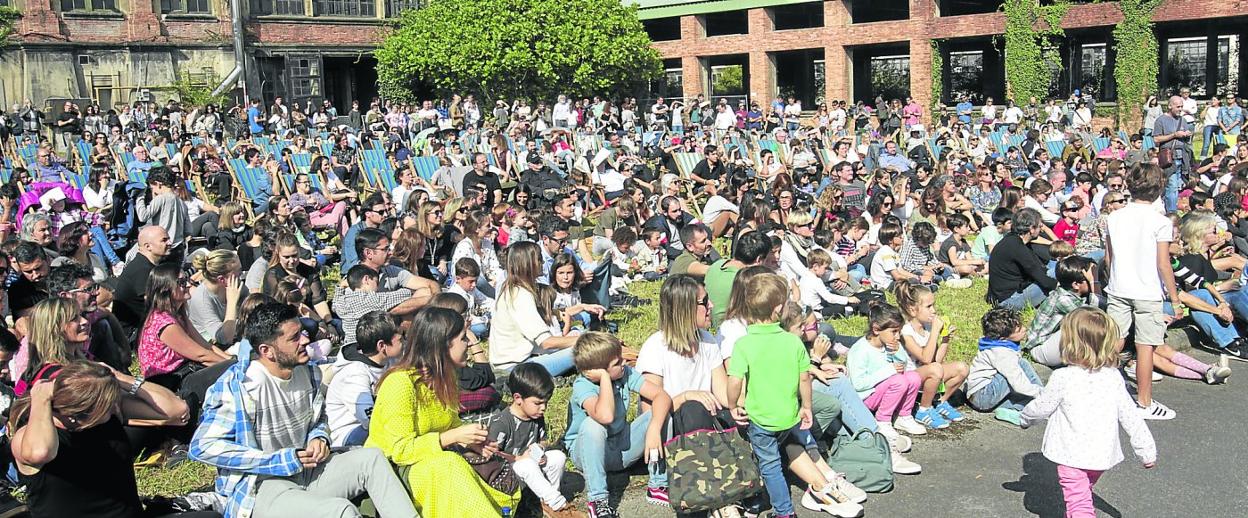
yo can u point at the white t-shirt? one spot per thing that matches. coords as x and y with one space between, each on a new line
716 205
729 332
680 373
1134 232
882 264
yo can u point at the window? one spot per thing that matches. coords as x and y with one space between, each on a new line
88 5
1091 78
305 87
798 16
1185 64
966 75
345 7
727 22
1228 64
185 6
890 76
281 7
396 7
663 29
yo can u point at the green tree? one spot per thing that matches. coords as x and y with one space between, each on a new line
1032 37
517 48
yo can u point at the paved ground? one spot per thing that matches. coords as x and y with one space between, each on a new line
988 469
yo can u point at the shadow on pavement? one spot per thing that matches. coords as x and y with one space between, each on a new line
1042 495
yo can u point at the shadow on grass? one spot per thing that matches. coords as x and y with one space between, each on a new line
1042 495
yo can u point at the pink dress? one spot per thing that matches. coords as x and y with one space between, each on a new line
156 358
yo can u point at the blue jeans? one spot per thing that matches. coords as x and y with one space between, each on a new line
480 330
766 446
857 272
1238 301
855 415
1222 333
557 363
102 247
1207 143
595 451
998 392
1031 296
1173 183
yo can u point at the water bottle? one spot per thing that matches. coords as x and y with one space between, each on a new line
506 512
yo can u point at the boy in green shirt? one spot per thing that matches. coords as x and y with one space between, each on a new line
778 406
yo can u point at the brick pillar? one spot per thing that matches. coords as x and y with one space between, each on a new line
837 75
921 74
38 17
692 76
142 22
762 77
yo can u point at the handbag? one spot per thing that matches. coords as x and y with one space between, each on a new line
1165 157
710 468
866 460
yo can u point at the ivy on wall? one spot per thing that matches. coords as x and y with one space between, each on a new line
8 15
1032 40
1136 68
938 78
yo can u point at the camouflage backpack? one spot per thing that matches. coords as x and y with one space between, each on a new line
710 468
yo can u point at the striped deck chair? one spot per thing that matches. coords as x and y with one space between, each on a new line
262 141
1016 141
138 176
28 153
6 170
79 179
327 148
378 170
172 150
1099 143
195 141
933 145
1149 143
685 162
1055 147
245 182
84 152
425 166
300 162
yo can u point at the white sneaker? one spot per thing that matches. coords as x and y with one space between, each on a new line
958 284
900 443
1217 375
904 466
824 500
1130 370
845 487
908 425
1157 411
887 430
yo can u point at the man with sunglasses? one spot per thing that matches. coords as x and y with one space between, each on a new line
375 210
1231 117
47 168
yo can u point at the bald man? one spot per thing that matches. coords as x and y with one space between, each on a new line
1174 133
128 300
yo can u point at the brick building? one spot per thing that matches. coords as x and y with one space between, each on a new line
114 51
853 50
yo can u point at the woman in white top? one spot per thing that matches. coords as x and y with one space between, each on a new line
478 245
518 333
682 356
1210 121
98 192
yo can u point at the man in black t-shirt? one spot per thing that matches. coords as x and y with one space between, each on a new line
480 176
544 185
129 301
32 263
710 169
69 124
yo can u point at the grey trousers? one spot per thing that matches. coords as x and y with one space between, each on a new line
325 491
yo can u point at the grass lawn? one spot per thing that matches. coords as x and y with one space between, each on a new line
962 307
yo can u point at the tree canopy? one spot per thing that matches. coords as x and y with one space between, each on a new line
517 48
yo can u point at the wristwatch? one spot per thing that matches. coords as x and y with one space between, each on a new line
134 387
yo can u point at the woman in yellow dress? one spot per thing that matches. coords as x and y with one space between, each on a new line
416 424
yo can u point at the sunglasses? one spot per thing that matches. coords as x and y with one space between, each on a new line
705 301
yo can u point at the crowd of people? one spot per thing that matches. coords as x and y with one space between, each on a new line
318 333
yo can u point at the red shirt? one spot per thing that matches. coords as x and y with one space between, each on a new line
1066 231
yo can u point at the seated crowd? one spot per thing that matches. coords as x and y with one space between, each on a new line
320 338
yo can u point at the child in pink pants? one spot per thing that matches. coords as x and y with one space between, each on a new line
1086 403
879 375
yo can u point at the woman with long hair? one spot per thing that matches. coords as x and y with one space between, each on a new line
58 333
285 262
70 446
169 347
518 333
98 192
682 356
416 424
478 245
323 212
429 224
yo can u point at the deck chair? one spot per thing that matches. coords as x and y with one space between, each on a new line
300 162
246 183
1099 143
1055 147
425 166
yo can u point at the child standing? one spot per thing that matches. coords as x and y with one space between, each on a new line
926 339
1086 403
771 366
1000 378
1137 254
519 432
880 376
599 435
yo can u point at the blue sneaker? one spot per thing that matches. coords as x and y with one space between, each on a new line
931 418
948 412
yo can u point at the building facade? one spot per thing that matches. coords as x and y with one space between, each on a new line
119 51
858 50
